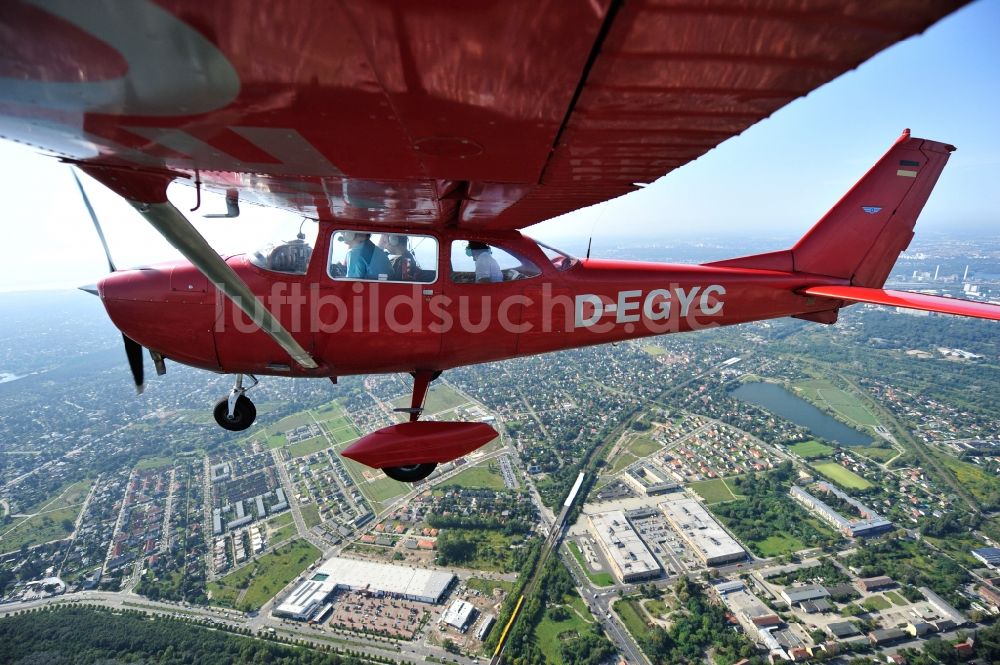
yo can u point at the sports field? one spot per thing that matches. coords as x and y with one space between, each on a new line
643 446
811 449
842 476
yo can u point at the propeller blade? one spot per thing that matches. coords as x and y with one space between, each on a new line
97 225
90 288
134 353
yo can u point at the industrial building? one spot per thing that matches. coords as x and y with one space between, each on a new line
459 615
795 595
629 557
485 627
701 532
870 523
427 586
941 605
647 480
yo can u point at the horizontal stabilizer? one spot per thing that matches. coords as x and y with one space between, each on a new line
979 310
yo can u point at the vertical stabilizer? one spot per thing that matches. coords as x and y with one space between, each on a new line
861 237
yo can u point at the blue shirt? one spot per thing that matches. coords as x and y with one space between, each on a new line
366 261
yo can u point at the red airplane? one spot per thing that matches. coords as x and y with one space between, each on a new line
422 137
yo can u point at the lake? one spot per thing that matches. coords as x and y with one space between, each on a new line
779 401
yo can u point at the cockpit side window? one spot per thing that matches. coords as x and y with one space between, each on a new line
560 260
385 257
473 261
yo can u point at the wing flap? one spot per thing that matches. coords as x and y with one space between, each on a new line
920 301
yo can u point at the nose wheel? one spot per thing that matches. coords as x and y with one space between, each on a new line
236 412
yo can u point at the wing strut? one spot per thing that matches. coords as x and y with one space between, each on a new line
180 233
146 191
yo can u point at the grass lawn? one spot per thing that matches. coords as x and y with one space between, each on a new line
282 534
643 446
654 350
310 515
656 608
896 598
550 634
154 463
292 422
486 476
874 603
308 447
439 398
41 528
264 577
344 434
632 616
623 459
67 495
486 586
826 395
386 488
276 441
879 454
778 545
811 449
841 475
713 491
596 578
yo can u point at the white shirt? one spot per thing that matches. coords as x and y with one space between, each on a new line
487 268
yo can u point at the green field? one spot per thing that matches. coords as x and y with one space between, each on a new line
439 398
550 634
596 578
154 463
633 618
842 476
69 494
622 460
42 528
478 476
291 422
878 454
643 446
654 350
308 447
828 396
263 578
896 598
344 434
981 484
778 545
714 491
874 603
310 515
811 449
486 586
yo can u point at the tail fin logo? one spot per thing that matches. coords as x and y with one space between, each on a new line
871 210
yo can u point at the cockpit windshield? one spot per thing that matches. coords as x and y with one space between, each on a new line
290 256
561 260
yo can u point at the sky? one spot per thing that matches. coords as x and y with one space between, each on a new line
772 181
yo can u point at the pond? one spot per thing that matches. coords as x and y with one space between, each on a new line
779 401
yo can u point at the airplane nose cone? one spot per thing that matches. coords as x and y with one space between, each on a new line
164 309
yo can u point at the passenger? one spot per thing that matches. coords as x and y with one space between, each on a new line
487 268
364 259
404 265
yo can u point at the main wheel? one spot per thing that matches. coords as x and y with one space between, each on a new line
244 413
409 474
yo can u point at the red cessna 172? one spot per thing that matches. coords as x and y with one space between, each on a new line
422 136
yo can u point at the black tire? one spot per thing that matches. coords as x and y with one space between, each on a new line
244 413
409 474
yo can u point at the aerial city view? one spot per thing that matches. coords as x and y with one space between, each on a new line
780 490
292 371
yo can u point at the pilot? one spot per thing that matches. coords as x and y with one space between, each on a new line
487 268
364 259
404 265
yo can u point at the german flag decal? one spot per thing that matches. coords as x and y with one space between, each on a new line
909 169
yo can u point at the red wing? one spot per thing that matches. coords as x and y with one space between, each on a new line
489 114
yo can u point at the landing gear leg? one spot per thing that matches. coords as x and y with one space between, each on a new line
236 412
416 472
